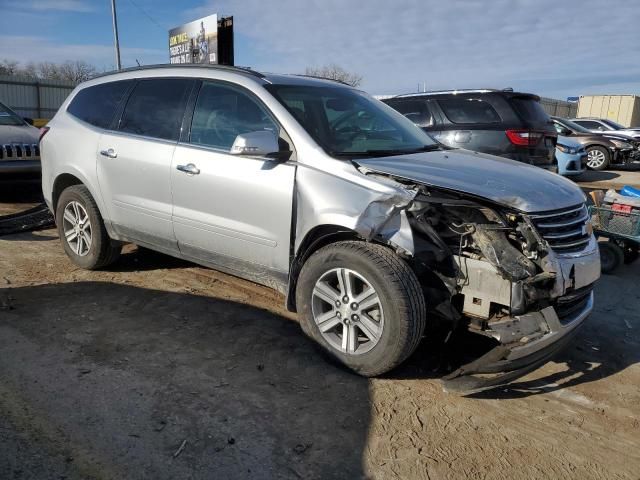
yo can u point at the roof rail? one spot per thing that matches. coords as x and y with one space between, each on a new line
321 78
444 92
230 68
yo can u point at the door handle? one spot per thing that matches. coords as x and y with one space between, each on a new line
110 152
189 169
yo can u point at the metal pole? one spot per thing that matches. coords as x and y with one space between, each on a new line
115 34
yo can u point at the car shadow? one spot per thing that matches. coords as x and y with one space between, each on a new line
140 259
597 176
129 382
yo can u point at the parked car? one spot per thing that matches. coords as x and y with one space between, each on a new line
372 230
19 151
602 150
571 157
498 122
604 125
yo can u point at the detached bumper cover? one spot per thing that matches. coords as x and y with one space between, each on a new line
507 362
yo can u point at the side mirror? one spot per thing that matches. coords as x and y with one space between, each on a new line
256 144
28 120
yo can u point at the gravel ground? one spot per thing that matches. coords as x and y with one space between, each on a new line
160 369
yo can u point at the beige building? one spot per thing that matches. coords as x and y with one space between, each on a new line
624 109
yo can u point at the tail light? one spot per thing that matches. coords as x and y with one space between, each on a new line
43 132
524 138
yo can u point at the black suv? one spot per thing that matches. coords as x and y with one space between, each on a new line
499 122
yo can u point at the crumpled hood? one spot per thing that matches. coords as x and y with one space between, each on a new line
507 182
18 134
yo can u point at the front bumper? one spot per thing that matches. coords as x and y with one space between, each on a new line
506 363
527 341
20 167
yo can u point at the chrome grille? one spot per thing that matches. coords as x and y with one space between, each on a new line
564 230
19 151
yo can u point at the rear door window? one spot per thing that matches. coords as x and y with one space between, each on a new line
98 104
156 107
468 110
415 110
530 110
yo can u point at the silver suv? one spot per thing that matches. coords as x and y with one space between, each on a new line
375 233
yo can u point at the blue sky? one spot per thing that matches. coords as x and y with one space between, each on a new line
555 48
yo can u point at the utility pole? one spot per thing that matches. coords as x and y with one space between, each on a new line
115 34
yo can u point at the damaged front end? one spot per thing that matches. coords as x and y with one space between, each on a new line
524 280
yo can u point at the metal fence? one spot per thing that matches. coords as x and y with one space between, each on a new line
559 108
32 97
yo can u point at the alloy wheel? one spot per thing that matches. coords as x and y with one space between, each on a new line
595 159
348 311
77 228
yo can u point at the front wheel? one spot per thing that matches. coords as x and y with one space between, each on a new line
611 256
81 229
598 158
363 304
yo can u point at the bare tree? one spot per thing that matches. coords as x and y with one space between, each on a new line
335 72
70 71
9 67
77 71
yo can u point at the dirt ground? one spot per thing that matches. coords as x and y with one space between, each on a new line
159 369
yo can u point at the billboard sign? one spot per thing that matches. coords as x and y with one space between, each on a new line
195 42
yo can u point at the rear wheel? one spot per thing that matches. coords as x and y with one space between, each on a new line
362 304
82 231
598 158
611 256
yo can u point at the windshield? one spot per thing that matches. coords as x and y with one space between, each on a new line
612 124
573 126
7 117
348 123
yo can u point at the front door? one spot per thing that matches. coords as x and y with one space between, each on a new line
228 210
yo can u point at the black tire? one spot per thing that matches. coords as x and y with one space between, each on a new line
605 152
102 251
400 296
611 256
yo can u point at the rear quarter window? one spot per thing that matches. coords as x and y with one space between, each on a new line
530 110
97 105
468 110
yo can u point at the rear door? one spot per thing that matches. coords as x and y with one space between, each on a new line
231 211
134 161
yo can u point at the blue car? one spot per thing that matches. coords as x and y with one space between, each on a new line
571 157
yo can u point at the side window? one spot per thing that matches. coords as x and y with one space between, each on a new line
415 110
97 105
468 110
590 124
223 112
156 107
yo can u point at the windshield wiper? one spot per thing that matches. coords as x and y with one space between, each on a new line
379 153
